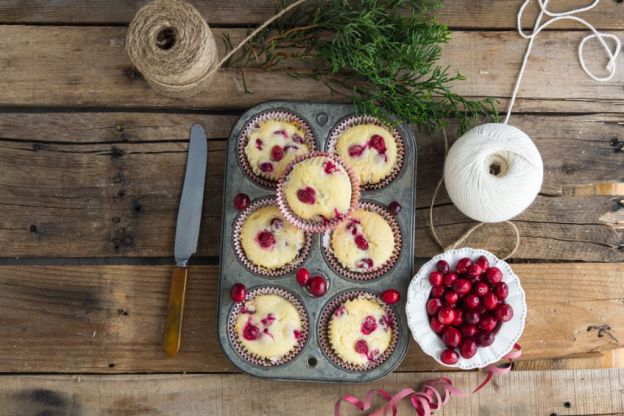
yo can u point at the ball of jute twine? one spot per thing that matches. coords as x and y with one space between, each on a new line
170 43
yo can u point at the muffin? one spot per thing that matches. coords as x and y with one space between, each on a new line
364 242
370 149
317 189
268 240
360 331
272 145
269 327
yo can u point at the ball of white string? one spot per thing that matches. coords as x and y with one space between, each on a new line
493 172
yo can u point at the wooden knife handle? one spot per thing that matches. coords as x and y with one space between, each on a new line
175 312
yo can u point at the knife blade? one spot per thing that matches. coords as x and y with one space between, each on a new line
187 234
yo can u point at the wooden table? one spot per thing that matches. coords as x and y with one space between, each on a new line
91 169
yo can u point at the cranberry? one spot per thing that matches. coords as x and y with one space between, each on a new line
490 301
487 323
307 195
501 290
472 301
443 266
433 306
377 142
297 139
474 270
449 279
366 264
468 348
449 357
238 292
446 315
494 275
361 242
266 167
302 276
281 133
451 337
483 263
504 312
259 144
486 339
356 150
462 286
481 288
390 296
268 320
265 239
276 224
251 332
436 325
437 291
317 286
277 153
394 207
329 167
459 318
472 317
468 330
451 297
297 334
369 325
435 278
462 265
361 346
241 201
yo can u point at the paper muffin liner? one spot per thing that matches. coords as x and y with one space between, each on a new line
418 320
240 252
323 329
377 271
354 120
237 309
311 225
254 123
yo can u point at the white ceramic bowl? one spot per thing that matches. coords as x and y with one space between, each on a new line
431 343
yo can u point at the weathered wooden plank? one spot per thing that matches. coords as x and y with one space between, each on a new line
579 392
110 318
91 184
51 66
455 13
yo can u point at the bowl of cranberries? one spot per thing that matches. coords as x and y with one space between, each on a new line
466 308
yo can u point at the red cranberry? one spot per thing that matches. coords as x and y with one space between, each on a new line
390 296
504 312
483 263
459 318
361 346
437 291
436 326
494 275
307 195
449 278
468 330
265 239
297 139
281 133
394 207
356 150
241 201
472 317
276 224
266 167
481 288
490 301
446 315
366 264
361 242
449 357
369 325
474 270
435 278
317 286
377 142
238 292
302 276
485 339
251 332
501 290
443 266
329 167
462 286
277 153
259 144
433 306
487 323
451 297
462 265
468 348
297 334
472 301
451 337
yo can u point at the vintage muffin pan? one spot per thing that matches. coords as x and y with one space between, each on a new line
312 359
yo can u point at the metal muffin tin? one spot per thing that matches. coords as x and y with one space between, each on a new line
311 364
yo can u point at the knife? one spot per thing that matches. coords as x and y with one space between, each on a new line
187 233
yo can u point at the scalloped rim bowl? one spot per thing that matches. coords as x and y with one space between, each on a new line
431 343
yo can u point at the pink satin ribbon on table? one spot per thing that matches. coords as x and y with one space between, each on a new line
432 395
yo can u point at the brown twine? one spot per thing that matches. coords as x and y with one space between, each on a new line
171 44
467 234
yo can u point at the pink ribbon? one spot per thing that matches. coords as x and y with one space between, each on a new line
432 395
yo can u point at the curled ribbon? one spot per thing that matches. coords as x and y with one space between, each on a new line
432 395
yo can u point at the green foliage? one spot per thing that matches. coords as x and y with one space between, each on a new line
383 54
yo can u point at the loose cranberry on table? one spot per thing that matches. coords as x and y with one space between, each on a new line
241 201
394 207
238 292
302 276
390 296
317 286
